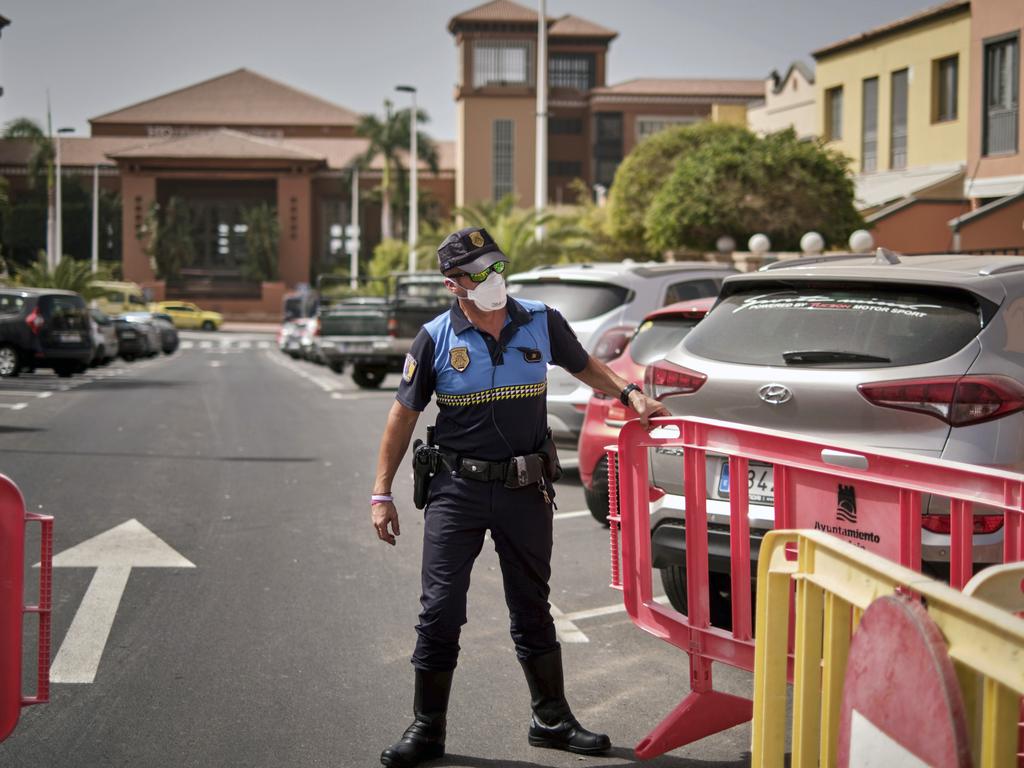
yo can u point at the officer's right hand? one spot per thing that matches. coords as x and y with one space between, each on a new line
384 515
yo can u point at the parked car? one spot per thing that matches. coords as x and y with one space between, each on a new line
917 353
145 325
43 328
104 336
187 315
659 332
119 296
308 349
165 327
604 303
289 337
132 339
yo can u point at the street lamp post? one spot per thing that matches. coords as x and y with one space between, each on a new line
95 219
413 168
59 238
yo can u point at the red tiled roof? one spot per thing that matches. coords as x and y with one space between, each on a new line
223 143
574 26
238 98
929 14
495 11
655 86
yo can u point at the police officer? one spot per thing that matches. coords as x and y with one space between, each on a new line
485 361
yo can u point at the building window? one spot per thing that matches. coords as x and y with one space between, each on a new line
607 146
569 169
648 126
1002 98
571 70
503 62
565 125
898 117
834 113
945 77
502 156
869 127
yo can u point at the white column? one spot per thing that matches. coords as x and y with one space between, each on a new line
541 173
353 253
58 226
95 219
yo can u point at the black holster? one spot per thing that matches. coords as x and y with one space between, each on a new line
551 465
425 462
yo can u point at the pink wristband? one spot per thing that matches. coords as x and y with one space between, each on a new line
380 498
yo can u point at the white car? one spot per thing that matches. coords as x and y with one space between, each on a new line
604 303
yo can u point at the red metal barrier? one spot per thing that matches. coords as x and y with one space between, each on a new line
13 518
888 490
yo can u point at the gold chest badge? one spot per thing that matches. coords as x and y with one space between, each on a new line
459 358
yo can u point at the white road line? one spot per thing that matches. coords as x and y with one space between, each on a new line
17 393
187 344
205 344
263 344
326 386
244 344
566 631
90 628
567 515
13 406
608 610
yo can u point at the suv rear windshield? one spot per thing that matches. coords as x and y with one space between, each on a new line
64 312
575 300
849 326
655 338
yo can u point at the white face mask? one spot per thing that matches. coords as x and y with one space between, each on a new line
490 294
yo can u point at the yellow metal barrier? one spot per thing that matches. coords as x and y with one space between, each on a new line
835 582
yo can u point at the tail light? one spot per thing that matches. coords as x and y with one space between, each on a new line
393 327
942 524
956 400
663 378
35 321
612 343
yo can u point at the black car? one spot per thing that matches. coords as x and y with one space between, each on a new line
132 339
163 324
43 328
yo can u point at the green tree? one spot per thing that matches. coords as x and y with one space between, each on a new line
69 275
389 139
169 245
738 184
41 159
261 239
644 171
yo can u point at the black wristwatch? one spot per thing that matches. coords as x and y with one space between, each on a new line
624 394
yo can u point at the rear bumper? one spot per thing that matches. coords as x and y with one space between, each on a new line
668 538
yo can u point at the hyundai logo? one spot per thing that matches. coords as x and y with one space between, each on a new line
775 394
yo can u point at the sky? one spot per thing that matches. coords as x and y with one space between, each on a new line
95 57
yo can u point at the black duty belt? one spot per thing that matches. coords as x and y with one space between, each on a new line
476 469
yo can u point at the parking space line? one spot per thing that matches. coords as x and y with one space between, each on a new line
567 515
565 629
607 610
13 406
23 393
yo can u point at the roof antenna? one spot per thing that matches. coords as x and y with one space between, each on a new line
885 256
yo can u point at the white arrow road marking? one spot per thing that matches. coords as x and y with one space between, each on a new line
113 554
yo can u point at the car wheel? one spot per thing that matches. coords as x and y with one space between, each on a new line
10 362
369 376
208 325
597 494
64 370
128 358
673 579
337 367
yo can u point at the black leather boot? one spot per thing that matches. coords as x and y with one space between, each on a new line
553 725
424 739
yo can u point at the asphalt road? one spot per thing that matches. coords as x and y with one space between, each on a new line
288 642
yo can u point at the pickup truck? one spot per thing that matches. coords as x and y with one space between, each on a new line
374 334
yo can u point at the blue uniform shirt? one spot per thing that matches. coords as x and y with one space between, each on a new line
491 393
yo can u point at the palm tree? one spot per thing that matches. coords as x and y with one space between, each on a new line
69 275
42 157
389 138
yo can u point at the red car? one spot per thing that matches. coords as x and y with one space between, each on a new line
660 331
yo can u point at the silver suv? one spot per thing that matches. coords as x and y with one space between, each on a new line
604 303
916 353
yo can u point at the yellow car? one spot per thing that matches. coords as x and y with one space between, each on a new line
188 315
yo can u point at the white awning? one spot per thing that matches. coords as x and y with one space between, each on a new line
872 190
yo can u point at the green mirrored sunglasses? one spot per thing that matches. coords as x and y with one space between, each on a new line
479 277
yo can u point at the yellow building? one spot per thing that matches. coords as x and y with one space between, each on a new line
895 100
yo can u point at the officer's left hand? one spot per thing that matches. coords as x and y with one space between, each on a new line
384 515
646 407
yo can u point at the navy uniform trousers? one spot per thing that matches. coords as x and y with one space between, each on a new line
458 514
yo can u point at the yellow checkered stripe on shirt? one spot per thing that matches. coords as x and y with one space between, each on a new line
515 392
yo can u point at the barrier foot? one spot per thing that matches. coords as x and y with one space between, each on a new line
700 714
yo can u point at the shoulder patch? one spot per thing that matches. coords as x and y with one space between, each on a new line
409 369
459 358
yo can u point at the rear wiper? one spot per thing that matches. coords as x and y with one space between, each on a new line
813 356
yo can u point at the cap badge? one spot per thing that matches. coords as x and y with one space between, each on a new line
476 239
459 358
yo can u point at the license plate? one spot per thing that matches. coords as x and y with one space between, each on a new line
354 347
760 482
69 338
